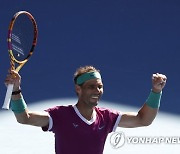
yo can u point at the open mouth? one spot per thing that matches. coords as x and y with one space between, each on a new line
95 97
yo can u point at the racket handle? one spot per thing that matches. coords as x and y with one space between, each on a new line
8 96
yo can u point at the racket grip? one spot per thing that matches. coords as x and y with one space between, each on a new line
8 96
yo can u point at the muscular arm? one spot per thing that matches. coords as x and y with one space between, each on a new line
144 117
40 119
146 114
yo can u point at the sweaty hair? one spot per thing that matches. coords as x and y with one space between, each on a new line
83 70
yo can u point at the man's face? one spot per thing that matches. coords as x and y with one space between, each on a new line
90 92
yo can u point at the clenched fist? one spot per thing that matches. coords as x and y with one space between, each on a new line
158 82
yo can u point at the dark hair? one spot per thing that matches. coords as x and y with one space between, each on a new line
82 70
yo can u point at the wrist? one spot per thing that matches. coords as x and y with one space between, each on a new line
156 90
16 88
16 92
18 106
154 99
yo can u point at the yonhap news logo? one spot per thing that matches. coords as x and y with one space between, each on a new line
118 139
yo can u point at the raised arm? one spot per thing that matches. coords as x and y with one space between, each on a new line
19 107
148 111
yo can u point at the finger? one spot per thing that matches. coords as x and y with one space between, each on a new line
15 74
159 79
162 79
10 71
8 81
158 75
12 77
155 76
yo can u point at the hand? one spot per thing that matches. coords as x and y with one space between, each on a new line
13 78
158 82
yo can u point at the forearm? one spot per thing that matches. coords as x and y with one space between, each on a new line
146 115
19 107
24 116
20 112
149 110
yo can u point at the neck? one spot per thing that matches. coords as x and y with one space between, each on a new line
86 112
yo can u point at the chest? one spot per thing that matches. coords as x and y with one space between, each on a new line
73 128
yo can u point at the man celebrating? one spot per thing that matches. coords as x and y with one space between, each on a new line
82 128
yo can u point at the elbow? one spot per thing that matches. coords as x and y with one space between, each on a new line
143 121
146 119
22 121
22 118
146 123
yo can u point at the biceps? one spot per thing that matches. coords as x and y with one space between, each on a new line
144 117
129 120
40 119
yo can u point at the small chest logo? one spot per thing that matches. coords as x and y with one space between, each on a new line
75 125
101 127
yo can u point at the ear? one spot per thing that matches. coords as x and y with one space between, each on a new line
78 89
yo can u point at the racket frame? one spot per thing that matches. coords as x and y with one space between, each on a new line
13 60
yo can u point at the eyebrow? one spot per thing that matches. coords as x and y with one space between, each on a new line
95 84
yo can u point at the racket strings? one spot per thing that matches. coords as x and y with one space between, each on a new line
16 38
16 47
22 37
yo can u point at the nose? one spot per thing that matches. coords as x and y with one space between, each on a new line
98 90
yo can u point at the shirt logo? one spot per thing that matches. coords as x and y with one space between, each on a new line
101 127
75 125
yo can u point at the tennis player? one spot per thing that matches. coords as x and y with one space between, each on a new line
82 128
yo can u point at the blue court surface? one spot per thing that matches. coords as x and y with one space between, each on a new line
20 139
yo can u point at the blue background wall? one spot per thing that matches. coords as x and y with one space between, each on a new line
127 40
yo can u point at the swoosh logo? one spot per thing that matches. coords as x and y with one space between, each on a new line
101 127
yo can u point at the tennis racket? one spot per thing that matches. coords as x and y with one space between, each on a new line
22 39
